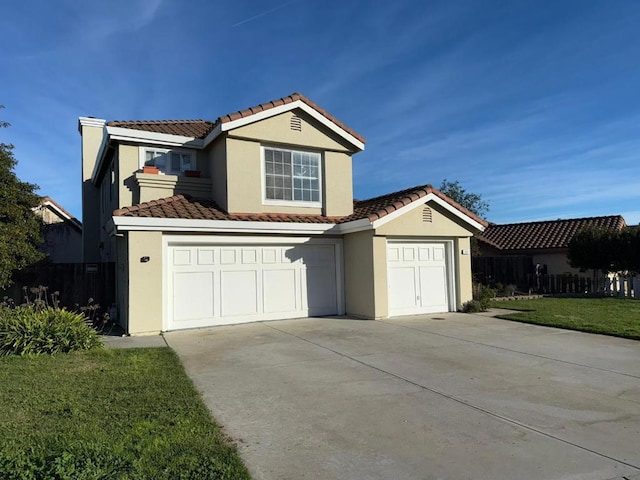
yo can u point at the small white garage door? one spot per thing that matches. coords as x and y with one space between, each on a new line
225 284
417 278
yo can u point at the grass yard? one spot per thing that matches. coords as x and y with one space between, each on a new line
610 316
108 414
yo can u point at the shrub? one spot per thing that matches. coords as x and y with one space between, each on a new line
482 295
510 290
28 330
472 306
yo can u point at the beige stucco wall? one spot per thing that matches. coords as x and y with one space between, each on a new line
359 285
464 275
365 273
443 224
145 283
128 161
381 286
338 184
277 130
218 167
244 183
122 281
557 263
91 141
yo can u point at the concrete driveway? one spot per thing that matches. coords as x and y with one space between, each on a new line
443 396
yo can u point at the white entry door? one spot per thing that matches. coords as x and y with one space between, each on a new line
225 284
417 278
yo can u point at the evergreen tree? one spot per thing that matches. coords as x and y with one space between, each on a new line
19 226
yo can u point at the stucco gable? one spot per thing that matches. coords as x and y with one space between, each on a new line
426 219
295 127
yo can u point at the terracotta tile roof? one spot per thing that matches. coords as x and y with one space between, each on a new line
201 128
543 235
184 206
185 128
377 207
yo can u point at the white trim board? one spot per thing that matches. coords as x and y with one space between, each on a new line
121 224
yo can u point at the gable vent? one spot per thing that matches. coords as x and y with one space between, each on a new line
426 215
296 123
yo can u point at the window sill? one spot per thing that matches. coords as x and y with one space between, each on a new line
292 203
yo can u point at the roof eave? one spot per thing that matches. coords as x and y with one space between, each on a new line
125 223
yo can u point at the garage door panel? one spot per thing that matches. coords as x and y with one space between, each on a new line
433 288
281 293
193 295
402 287
239 293
206 256
182 256
321 290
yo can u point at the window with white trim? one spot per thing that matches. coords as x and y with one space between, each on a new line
291 175
172 162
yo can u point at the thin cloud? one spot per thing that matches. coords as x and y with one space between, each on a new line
263 14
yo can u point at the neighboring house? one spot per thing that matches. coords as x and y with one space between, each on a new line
252 217
533 247
62 232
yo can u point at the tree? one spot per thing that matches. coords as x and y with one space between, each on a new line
593 249
19 227
471 201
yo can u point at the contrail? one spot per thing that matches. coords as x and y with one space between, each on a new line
242 22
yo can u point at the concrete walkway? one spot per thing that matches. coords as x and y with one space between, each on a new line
444 396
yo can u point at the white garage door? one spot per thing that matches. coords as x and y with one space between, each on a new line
417 278
226 284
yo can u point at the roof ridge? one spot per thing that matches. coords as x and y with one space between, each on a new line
557 220
190 120
398 192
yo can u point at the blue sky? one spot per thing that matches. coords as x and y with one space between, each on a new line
535 105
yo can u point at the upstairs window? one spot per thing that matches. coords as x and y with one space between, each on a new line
291 176
171 162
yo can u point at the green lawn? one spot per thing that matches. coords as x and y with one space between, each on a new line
108 414
609 316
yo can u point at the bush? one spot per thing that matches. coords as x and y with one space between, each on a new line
26 330
482 295
472 306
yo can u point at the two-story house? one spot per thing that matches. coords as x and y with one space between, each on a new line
251 217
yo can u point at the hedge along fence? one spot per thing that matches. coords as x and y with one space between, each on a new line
40 326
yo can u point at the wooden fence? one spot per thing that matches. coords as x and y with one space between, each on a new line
519 270
76 283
